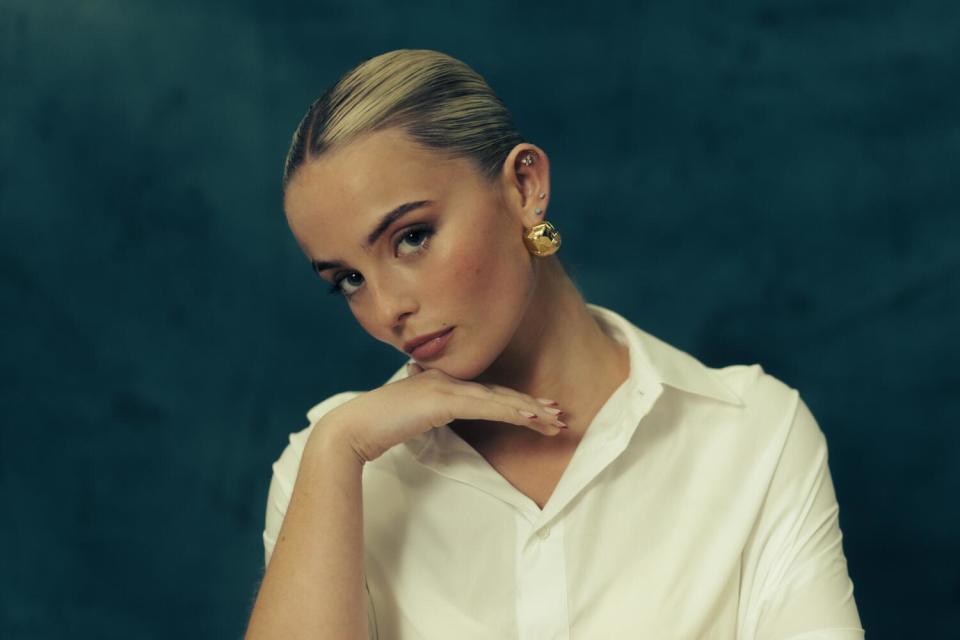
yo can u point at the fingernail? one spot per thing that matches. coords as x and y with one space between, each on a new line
546 401
562 425
553 411
527 414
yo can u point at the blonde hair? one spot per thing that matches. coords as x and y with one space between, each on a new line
439 101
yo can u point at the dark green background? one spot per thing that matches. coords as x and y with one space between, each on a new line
771 182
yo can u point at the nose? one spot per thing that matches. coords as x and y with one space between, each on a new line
393 304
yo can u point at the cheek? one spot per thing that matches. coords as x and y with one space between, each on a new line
485 268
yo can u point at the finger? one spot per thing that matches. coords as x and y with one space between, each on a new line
545 401
548 414
487 404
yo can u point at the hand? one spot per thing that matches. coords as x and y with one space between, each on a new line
379 419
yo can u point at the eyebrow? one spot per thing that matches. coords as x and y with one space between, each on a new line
382 226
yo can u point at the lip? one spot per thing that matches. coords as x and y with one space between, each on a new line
428 345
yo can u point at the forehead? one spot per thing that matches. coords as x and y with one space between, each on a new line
337 198
372 171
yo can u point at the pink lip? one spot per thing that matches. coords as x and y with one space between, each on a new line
432 347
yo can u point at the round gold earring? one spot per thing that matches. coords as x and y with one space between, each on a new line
542 239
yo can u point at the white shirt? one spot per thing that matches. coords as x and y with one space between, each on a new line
698 504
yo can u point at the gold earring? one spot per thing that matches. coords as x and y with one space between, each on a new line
542 239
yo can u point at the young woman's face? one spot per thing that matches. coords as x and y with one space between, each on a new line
457 259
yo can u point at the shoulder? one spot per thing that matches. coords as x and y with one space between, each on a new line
774 417
757 389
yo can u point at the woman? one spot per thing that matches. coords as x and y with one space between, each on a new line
543 468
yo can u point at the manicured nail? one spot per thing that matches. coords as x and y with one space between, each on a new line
546 401
562 425
553 411
527 414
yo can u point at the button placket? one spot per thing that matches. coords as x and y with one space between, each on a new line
542 607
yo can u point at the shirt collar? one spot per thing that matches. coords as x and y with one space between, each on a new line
668 365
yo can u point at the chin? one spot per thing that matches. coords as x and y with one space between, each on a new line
455 366
452 369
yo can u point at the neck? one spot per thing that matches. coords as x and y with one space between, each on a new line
559 351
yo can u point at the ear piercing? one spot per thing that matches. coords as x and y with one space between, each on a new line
528 159
542 239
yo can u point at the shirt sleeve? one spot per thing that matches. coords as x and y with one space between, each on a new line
281 487
799 586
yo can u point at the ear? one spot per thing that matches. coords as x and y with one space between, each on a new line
522 184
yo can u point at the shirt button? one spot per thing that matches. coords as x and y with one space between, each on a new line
544 533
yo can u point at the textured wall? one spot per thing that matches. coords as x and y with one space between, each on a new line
755 181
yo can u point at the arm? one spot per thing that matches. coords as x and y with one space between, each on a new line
799 584
314 586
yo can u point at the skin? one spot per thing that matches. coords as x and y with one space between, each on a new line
519 320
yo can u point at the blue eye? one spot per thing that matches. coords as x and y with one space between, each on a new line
336 288
421 234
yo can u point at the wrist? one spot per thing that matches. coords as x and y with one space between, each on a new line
333 438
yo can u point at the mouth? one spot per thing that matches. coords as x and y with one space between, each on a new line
429 345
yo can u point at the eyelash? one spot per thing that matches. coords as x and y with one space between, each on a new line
428 232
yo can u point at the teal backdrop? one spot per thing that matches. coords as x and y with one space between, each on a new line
754 182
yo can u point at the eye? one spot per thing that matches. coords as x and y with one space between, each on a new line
419 237
336 287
